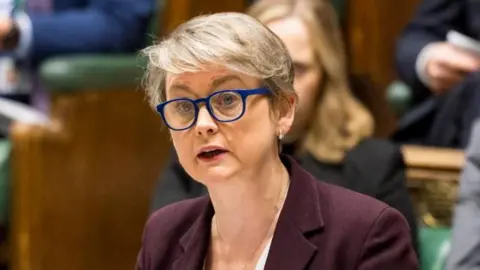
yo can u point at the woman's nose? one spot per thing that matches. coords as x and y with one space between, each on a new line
206 124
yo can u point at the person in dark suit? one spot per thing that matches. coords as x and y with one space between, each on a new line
46 28
424 59
223 84
438 74
41 29
331 130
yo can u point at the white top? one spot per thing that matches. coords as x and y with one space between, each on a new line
263 257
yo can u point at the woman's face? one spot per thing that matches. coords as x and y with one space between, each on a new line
243 145
308 75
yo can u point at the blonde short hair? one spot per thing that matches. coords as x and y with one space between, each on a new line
235 41
339 121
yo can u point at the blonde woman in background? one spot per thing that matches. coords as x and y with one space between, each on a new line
331 133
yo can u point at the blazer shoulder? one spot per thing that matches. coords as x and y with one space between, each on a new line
387 245
351 217
340 203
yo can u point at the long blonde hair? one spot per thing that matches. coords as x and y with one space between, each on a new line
339 120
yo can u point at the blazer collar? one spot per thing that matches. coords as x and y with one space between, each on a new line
300 217
194 243
290 248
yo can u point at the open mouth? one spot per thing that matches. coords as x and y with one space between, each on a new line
208 155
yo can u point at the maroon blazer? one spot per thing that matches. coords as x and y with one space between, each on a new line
321 226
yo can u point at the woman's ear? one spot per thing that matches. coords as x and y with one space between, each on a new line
286 113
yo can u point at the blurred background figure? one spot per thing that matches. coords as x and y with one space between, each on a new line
34 30
465 249
438 65
331 133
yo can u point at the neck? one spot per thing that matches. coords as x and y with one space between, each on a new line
245 208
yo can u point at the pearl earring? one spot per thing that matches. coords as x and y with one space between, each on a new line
280 136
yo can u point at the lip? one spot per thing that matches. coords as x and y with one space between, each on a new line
210 148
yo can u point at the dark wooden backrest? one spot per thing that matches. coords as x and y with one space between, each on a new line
82 185
372 28
433 176
179 11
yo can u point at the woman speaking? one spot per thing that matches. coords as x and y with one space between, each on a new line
223 85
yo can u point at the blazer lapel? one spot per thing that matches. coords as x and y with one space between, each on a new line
194 244
301 216
290 249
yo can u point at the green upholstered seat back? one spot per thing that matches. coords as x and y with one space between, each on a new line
434 247
4 179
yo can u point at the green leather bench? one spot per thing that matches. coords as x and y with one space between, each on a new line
91 72
434 247
4 176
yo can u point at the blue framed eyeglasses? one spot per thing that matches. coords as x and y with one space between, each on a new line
224 106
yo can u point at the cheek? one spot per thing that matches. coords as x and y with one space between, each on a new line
257 123
259 115
182 144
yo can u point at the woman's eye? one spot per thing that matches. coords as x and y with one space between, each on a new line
184 106
227 99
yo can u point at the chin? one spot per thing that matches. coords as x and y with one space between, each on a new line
208 175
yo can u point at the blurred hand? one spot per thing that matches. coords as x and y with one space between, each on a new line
6 25
447 65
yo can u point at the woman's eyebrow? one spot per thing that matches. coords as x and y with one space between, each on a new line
180 86
221 80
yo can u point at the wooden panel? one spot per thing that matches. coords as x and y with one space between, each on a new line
433 158
82 185
433 176
416 175
371 30
179 11
432 164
